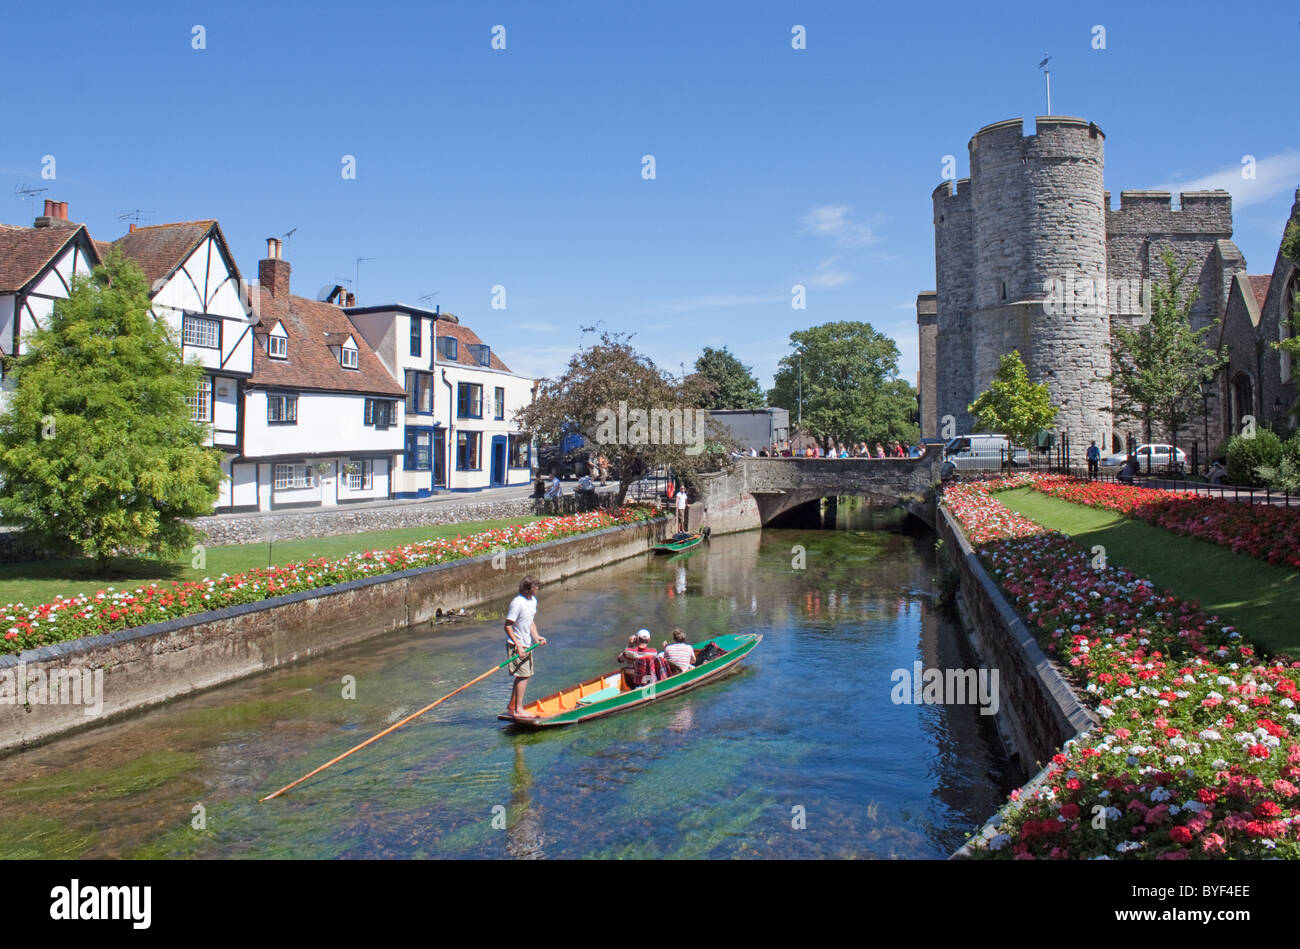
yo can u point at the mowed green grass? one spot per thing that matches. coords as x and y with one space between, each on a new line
1261 600
40 581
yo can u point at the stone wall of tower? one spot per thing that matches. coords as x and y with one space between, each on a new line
1145 226
1040 264
927 329
954 295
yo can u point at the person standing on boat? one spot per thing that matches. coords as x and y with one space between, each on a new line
521 631
681 500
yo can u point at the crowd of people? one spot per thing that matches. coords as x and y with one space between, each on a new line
830 448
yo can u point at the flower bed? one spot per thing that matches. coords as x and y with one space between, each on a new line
1263 531
110 610
1194 756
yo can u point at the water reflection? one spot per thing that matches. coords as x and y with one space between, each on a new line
806 721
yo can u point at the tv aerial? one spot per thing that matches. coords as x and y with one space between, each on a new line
286 237
427 299
134 216
21 191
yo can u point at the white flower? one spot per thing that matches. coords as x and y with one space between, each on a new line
1210 735
1128 845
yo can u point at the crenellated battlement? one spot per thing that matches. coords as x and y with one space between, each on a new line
1152 213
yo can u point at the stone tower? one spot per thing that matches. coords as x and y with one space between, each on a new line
1020 249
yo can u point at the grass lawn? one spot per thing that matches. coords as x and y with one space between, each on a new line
1258 598
41 581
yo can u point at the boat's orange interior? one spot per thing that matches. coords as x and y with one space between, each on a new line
567 700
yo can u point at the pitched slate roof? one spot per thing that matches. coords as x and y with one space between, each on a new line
312 327
466 336
26 251
1259 284
161 248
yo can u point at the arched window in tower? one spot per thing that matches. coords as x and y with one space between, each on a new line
1004 289
1243 398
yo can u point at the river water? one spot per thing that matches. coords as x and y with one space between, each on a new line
801 753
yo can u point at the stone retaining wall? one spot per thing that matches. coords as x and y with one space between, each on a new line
152 664
1042 710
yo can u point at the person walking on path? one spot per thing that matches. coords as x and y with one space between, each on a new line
521 632
1094 461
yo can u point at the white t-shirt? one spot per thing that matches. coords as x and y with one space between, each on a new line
681 499
522 612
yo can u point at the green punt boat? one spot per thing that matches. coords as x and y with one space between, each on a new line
682 541
609 693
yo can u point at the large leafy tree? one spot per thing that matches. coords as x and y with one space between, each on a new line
599 394
851 389
1157 368
1291 345
1012 405
734 384
98 449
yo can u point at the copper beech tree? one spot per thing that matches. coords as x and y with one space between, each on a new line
639 417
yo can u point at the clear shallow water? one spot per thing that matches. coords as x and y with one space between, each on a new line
803 734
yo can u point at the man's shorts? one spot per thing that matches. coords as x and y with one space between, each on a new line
522 667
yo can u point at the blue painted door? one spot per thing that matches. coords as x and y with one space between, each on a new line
498 459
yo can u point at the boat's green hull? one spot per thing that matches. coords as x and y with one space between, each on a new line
738 646
677 546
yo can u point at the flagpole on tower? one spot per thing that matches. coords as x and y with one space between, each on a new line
1048 73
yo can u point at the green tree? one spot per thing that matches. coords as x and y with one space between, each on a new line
735 385
639 416
851 390
98 449
1157 368
1012 405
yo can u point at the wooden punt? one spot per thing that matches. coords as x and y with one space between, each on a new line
681 541
610 693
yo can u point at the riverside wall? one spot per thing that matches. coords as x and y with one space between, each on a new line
149 665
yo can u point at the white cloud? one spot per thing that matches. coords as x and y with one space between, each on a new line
1274 175
829 276
835 221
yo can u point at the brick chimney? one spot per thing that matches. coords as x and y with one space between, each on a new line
272 272
56 215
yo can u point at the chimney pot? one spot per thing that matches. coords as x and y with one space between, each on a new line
49 207
132 230
63 210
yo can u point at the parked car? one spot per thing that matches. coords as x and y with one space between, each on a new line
1159 456
983 452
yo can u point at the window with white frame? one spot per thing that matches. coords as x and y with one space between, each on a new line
201 331
292 476
201 401
361 475
349 356
281 409
277 347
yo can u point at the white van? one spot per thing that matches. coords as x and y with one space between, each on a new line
983 452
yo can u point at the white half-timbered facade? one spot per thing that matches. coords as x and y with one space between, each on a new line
37 265
197 290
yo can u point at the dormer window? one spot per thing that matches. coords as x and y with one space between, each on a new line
277 344
480 353
447 348
350 358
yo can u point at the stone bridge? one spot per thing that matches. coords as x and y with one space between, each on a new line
757 490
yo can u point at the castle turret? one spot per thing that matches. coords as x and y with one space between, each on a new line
1039 219
955 302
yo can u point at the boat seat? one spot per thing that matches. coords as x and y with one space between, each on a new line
606 693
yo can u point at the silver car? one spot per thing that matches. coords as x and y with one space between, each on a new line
1159 456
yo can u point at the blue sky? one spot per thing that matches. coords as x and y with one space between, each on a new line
522 167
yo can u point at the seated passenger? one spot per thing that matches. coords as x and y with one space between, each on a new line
679 654
627 659
649 667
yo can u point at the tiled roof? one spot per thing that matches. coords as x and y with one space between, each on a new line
161 248
466 337
1259 284
25 251
311 326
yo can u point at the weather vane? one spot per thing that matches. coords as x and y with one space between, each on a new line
1047 70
